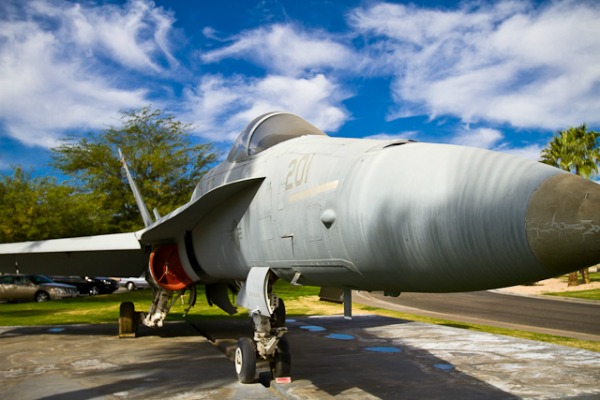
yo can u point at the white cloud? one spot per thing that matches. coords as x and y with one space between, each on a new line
68 66
295 62
492 139
393 136
53 64
220 108
509 62
134 35
531 152
484 138
211 33
286 50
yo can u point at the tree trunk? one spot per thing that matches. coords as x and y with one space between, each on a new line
586 275
573 281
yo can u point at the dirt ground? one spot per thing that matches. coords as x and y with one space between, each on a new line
550 286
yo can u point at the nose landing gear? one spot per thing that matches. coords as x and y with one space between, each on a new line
268 344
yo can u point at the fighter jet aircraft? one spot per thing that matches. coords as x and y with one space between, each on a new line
292 203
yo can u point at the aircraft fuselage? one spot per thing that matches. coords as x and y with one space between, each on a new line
375 215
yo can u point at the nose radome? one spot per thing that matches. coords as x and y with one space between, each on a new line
563 223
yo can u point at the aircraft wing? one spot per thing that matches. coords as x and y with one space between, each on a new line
118 254
121 254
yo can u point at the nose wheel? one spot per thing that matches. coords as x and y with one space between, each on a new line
245 360
268 344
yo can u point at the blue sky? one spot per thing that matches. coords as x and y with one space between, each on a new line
502 75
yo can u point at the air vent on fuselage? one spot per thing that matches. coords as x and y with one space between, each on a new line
398 142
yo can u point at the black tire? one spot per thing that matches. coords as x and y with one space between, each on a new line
281 366
278 318
127 320
245 360
94 291
130 286
42 297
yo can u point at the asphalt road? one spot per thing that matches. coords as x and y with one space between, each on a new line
577 319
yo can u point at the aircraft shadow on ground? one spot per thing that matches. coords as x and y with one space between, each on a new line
341 358
166 372
170 330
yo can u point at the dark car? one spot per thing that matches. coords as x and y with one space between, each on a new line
87 285
17 287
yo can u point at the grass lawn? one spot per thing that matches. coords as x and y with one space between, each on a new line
103 309
299 300
592 294
80 310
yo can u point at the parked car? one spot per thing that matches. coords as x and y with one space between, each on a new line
133 283
87 285
40 288
109 285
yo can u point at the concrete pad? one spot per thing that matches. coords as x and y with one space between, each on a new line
90 362
374 357
369 357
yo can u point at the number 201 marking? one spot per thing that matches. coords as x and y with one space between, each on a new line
298 171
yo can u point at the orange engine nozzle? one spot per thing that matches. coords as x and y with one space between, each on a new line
166 268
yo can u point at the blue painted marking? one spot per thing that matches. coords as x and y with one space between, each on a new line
384 349
313 328
56 330
340 336
290 320
444 367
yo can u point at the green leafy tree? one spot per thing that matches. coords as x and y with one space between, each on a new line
39 208
574 150
163 161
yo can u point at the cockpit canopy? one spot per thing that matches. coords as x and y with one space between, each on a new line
268 130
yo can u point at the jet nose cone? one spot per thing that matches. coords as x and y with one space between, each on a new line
563 223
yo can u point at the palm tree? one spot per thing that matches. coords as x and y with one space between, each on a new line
574 150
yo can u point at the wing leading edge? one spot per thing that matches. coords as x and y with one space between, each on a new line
188 216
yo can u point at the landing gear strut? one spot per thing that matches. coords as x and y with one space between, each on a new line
268 344
162 300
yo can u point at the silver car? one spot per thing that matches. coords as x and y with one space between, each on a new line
16 287
133 283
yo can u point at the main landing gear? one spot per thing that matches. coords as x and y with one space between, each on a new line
268 316
268 344
162 300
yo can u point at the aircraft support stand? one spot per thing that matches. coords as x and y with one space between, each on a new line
128 320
